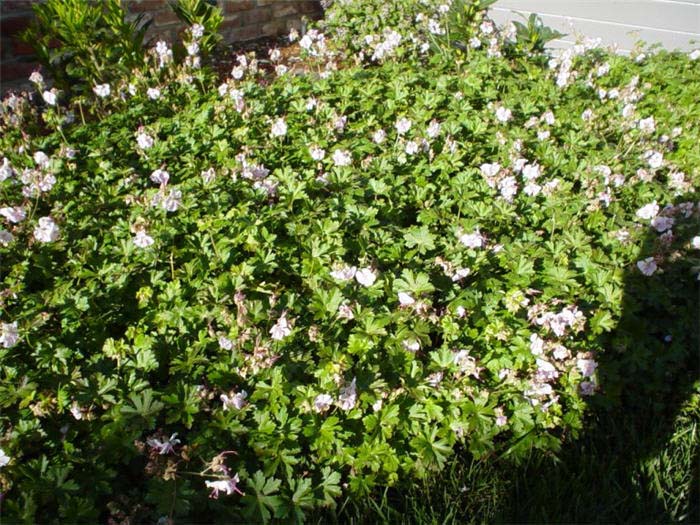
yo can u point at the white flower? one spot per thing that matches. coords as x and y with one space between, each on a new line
366 276
472 240
649 211
229 486
532 189
208 175
647 266
166 446
36 78
411 147
587 388
694 54
460 274
16 214
46 231
5 237
412 345
49 97
587 115
279 128
461 311
405 299
237 401
6 170
647 125
281 69
654 158
508 187
142 239
377 405
379 136
173 200
317 153
543 135
402 125
160 176
293 35
661 224
281 329
41 159
237 72
4 458
348 396
225 343
536 344
490 170
344 273
192 48
695 242
102 90
345 312
474 42
144 140
153 93
342 158
503 114
586 366
8 334
322 402
306 42
531 171
433 129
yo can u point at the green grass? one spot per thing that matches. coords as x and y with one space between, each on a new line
632 465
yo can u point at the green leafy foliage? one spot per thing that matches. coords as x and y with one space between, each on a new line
256 297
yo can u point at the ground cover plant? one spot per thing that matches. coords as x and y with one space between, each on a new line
256 298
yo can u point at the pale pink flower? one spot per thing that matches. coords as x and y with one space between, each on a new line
225 343
379 136
9 335
237 400
142 239
344 273
366 276
317 153
647 266
647 125
46 231
348 396
403 125
4 458
322 402
166 446
281 329
648 211
587 367
536 344
279 128
661 224
49 97
472 240
160 177
412 345
15 214
228 485
503 114
102 90
342 158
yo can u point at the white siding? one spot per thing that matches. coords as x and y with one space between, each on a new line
672 23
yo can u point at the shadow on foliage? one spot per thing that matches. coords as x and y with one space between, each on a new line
636 460
639 446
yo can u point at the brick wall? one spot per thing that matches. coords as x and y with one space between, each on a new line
243 20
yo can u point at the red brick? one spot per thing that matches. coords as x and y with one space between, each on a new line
145 6
274 28
14 24
230 22
235 6
241 34
164 17
16 70
22 48
256 16
284 9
